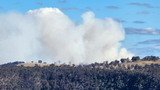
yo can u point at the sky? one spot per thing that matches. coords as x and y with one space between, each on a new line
140 18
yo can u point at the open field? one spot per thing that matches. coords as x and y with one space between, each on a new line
29 64
141 63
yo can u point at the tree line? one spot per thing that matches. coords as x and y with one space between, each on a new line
95 76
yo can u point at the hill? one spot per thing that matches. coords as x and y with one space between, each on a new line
138 75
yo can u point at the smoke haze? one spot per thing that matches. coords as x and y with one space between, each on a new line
49 34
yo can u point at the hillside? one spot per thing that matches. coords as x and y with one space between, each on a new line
138 75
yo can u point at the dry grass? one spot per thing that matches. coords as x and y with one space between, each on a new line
29 64
141 63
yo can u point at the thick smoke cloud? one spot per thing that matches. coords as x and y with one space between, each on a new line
49 34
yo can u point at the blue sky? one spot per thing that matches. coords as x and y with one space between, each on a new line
140 18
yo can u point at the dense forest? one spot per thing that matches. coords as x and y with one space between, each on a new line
96 76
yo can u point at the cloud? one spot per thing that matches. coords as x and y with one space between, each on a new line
149 31
112 7
138 22
150 47
152 41
70 9
157 47
85 9
62 1
76 9
119 20
143 12
144 51
146 5
49 34
17 3
39 3
88 8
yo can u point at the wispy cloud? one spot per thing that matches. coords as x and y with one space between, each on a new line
157 46
76 9
149 31
119 20
17 3
88 8
152 48
70 9
144 51
39 3
151 41
139 22
146 5
112 7
62 1
143 12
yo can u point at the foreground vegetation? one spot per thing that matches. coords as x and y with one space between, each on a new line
97 76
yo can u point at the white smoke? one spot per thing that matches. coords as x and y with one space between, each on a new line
49 34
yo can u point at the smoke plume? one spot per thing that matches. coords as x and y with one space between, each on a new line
49 34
